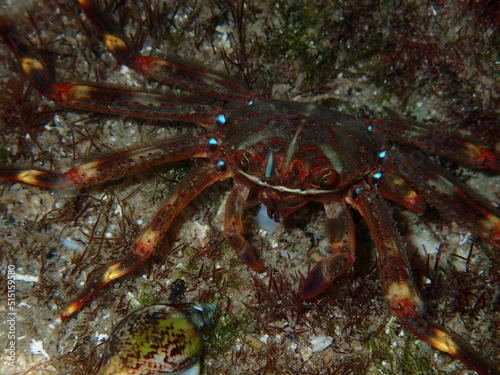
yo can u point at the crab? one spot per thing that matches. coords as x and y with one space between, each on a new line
290 153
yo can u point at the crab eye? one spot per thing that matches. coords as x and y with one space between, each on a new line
241 160
326 178
330 180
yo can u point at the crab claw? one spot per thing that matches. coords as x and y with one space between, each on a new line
280 205
323 274
343 247
247 255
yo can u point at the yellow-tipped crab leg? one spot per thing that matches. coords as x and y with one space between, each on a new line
108 99
453 146
169 70
400 293
453 198
151 237
112 166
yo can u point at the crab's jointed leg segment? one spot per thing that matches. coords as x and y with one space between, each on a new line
151 237
233 226
169 70
112 166
455 147
400 293
393 187
108 99
447 193
343 248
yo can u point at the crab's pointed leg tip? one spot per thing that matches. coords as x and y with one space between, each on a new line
64 316
257 266
308 291
247 255
70 310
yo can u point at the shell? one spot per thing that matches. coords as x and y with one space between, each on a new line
157 339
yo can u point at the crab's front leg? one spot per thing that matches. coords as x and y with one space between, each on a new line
233 226
114 165
341 230
400 293
125 162
151 237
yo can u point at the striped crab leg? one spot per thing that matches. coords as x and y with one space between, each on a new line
453 146
125 162
170 70
113 166
400 293
151 237
108 99
454 199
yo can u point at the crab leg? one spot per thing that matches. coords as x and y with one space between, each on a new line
343 249
107 99
398 190
233 226
170 70
400 293
456 147
115 165
450 196
149 240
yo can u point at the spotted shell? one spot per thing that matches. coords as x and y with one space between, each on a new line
157 339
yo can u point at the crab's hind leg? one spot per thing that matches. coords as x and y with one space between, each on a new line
452 197
150 238
343 249
400 293
170 70
108 99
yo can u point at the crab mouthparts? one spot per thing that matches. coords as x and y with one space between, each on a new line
280 204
